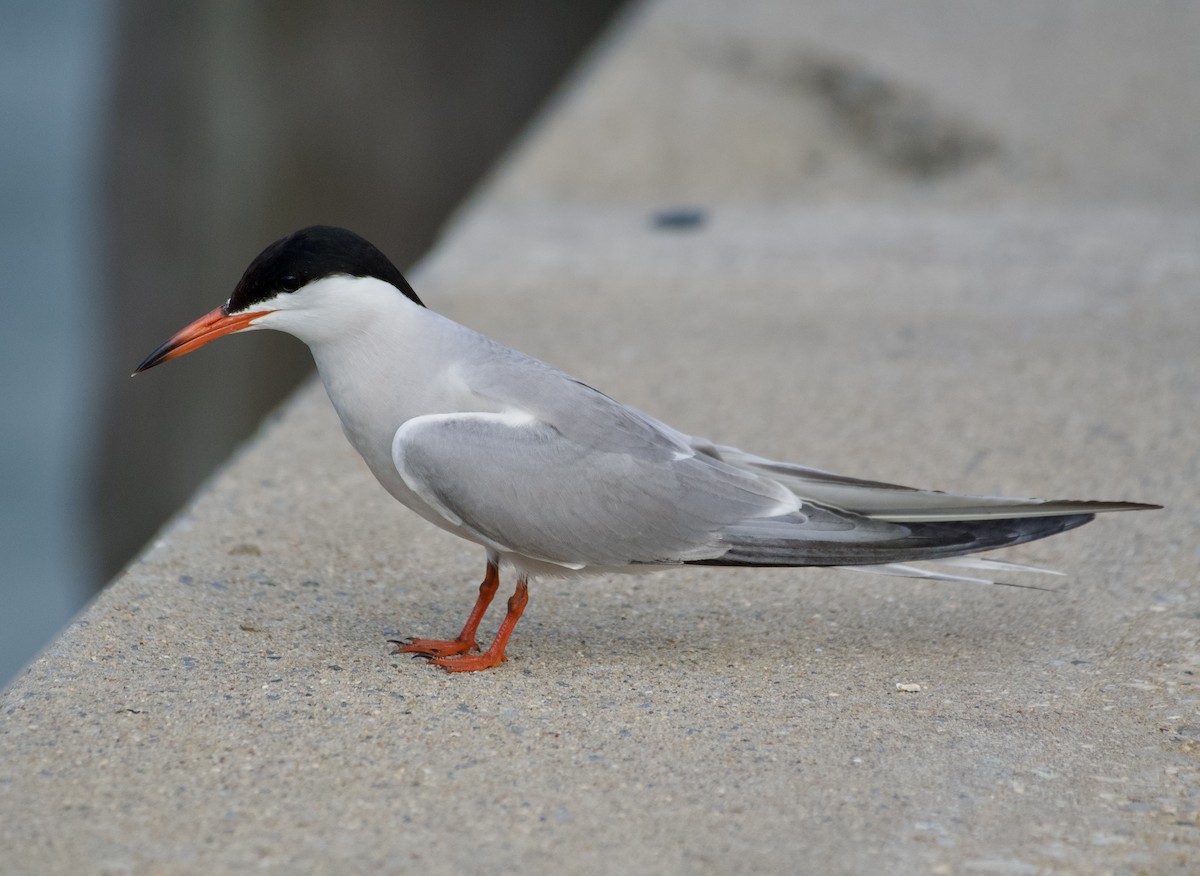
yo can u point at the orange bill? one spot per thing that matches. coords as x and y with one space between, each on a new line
191 337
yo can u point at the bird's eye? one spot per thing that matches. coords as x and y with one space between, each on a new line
289 284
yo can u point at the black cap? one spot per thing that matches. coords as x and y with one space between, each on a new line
311 254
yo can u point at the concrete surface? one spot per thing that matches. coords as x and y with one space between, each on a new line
942 287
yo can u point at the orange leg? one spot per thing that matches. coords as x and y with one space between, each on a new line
494 655
466 639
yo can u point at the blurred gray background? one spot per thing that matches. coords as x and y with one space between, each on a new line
148 151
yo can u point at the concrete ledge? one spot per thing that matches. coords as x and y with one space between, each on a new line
229 703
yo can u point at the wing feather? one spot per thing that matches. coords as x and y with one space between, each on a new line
520 485
883 501
555 471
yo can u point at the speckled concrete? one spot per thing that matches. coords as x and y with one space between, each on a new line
986 321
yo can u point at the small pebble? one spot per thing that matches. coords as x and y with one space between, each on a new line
679 219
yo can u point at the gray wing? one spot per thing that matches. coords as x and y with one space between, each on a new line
556 397
883 501
520 484
558 471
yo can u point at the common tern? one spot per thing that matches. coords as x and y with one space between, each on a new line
555 478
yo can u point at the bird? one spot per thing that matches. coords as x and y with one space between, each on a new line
553 477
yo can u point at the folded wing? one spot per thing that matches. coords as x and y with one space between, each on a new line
882 501
521 486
